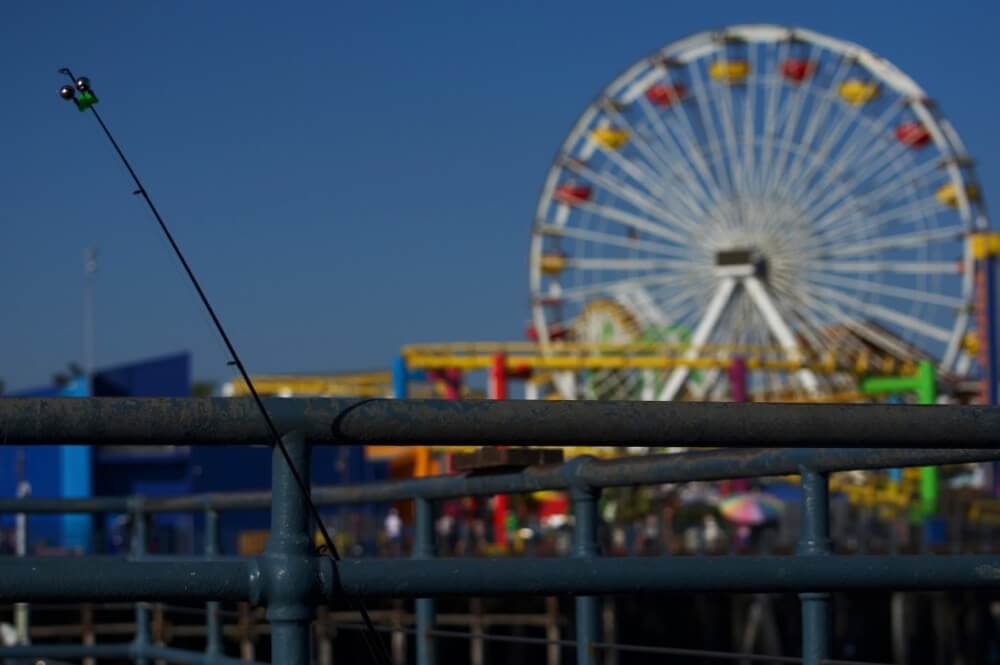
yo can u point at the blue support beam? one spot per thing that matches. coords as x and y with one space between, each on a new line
138 551
814 541
288 567
586 548
213 627
423 549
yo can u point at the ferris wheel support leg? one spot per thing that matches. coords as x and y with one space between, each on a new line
778 328
723 293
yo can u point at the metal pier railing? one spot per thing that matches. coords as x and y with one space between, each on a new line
291 580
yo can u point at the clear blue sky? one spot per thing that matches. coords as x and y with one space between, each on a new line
345 177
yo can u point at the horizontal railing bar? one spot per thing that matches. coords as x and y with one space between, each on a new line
215 421
173 655
634 648
411 578
76 579
45 579
637 470
122 650
41 505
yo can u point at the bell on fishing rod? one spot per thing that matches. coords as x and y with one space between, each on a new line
85 99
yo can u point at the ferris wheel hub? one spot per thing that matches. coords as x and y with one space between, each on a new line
743 262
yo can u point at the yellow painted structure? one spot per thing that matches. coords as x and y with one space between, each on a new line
359 384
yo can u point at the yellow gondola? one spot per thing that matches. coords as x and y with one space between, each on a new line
610 138
729 71
857 92
553 263
948 194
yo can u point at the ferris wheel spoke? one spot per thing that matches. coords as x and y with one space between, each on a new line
659 152
628 219
649 183
850 197
679 305
903 293
749 124
817 117
724 103
614 240
909 212
774 127
880 191
712 134
923 328
788 127
879 159
901 267
684 313
677 183
811 327
611 265
611 286
668 222
895 241
692 149
774 85
862 328
823 161
854 149
697 190
861 228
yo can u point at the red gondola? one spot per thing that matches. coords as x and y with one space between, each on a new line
797 70
664 95
913 134
571 193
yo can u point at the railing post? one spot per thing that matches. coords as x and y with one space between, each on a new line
423 548
814 540
287 561
22 611
138 550
213 629
585 545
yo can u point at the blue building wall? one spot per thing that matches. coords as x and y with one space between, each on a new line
81 471
52 471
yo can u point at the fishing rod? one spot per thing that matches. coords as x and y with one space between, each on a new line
82 94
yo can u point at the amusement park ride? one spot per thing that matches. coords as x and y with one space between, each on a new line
756 213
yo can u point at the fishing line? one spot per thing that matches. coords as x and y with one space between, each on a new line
85 101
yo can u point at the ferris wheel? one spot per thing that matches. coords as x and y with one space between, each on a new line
759 187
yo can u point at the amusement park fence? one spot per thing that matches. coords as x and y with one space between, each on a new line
291 579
